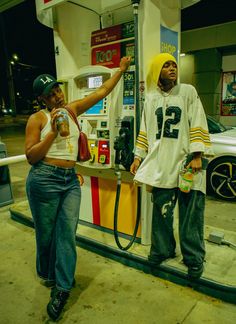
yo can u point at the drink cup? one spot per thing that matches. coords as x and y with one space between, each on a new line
63 122
186 180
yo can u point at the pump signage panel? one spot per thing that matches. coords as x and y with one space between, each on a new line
107 55
48 3
96 109
106 35
169 41
112 34
128 89
110 44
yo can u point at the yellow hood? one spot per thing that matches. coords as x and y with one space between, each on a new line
155 67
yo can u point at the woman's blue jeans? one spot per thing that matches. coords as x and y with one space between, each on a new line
54 196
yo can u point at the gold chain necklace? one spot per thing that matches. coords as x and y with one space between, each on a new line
69 145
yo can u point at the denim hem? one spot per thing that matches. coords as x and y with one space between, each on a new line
45 279
63 289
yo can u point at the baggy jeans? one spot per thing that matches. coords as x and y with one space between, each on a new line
191 225
54 196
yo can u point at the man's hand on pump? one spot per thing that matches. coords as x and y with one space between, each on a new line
135 165
196 163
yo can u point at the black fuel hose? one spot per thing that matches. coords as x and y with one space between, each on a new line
138 215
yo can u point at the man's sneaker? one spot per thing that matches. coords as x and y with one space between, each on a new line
195 271
57 303
50 283
155 261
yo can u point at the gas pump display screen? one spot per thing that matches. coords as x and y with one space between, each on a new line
94 82
96 109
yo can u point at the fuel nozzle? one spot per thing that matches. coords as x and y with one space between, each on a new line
135 2
120 145
123 144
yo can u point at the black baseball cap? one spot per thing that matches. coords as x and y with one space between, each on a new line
43 84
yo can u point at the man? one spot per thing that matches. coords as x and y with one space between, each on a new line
173 133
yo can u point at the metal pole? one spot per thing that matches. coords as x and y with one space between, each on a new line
11 90
12 159
136 56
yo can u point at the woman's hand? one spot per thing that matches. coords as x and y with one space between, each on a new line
125 63
80 178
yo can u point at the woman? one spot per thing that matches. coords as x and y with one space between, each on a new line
52 186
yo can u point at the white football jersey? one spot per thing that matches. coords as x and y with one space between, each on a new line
173 125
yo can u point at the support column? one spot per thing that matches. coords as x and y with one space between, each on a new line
207 79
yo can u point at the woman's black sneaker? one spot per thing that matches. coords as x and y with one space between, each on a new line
57 303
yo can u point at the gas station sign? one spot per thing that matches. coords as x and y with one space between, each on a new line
45 4
110 44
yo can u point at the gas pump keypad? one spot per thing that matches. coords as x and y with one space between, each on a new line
104 124
102 159
103 152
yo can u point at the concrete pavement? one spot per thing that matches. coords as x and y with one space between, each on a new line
106 291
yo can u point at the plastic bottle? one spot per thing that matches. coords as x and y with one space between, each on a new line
186 180
63 122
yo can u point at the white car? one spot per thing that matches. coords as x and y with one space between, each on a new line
221 170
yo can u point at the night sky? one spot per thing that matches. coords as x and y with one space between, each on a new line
22 34
33 42
207 13
27 37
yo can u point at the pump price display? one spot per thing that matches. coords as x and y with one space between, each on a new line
96 109
94 82
128 92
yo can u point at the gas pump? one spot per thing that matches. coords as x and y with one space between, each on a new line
123 145
100 122
110 121
110 125
110 128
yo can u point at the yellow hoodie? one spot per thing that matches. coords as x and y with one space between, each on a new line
155 68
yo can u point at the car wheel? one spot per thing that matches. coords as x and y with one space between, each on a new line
221 178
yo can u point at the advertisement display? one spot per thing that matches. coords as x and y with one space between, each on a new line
169 42
51 3
228 101
109 45
45 4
